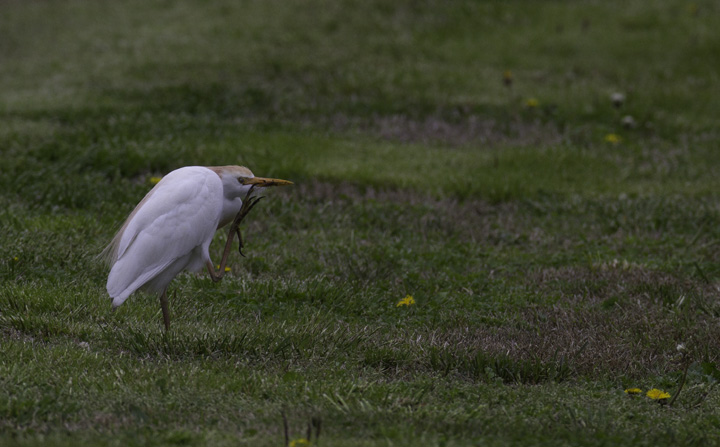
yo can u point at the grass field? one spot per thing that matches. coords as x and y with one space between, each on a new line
466 153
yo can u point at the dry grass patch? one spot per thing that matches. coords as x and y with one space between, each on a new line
623 323
621 318
468 220
555 343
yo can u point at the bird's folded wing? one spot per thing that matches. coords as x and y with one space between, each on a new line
178 215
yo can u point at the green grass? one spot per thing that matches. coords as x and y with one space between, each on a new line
551 269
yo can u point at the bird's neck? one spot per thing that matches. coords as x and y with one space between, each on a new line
230 208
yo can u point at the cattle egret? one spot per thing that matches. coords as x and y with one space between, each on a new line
170 230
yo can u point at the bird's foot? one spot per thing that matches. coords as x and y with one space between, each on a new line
240 241
248 204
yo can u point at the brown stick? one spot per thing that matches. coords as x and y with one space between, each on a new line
682 382
285 428
165 309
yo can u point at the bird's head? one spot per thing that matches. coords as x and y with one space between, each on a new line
237 180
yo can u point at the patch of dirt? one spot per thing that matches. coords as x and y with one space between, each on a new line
458 132
617 278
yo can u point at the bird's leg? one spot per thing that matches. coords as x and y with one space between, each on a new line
248 204
217 276
165 310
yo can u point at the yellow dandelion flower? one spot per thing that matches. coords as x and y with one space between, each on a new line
227 269
532 103
657 394
16 259
633 391
407 301
613 138
155 180
301 442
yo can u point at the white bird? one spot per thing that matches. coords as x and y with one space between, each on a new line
170 230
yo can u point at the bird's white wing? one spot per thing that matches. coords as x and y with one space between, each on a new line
176 217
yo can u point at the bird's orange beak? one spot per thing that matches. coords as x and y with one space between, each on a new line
264 182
